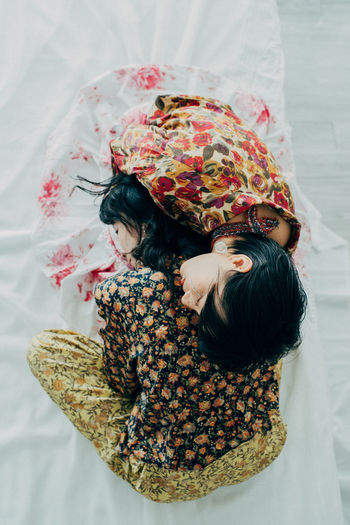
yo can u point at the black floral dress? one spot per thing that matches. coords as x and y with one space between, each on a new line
188 412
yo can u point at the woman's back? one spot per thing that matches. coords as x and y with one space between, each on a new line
188 412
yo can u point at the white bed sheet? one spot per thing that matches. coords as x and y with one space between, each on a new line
50 473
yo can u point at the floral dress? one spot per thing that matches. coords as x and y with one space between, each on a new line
202 165
188 413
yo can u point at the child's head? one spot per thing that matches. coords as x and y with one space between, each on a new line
251 302
145 233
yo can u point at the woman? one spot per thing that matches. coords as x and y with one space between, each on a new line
203 167
173 423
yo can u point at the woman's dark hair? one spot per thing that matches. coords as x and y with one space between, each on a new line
126 200
260 311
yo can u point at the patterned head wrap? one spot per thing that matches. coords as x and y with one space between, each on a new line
201 165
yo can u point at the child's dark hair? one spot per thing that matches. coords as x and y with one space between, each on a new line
126 200
260 310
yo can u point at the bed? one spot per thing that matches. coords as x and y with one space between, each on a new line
76 73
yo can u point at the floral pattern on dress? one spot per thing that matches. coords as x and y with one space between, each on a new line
187 411
202 165
69 366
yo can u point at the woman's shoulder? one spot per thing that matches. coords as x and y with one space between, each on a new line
142 283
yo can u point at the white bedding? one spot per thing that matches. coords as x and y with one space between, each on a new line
50 473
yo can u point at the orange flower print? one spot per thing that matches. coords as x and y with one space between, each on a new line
246 389
190 454
270 396
166 393
201 439
208 387
178 442
188 427
182 322
256 373
167 295
185 360
131 281
148 321
169 348
257 425
124 291
248 417
140 309
147 292
209 459
162 331
58 384
156 305
193 380
173 377
220 443
202 450
204 366
240 406
184 414
204 405
218 402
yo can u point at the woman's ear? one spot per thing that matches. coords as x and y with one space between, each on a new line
242 263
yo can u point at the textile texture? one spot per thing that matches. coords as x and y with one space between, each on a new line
69 366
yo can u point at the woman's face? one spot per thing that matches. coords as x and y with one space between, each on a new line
128 240
200 273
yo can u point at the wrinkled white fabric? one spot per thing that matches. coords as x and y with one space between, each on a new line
229 50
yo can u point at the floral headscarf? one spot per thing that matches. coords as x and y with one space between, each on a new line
201 165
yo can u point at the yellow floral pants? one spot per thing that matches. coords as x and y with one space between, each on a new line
69 367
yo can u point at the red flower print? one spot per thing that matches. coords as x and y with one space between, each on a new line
275 177
59 276
194 162
279 199
237 158
202 125
264 115
50 194
63 257
202 139
188 194
260 146
185 143
213 107
148 77
247 146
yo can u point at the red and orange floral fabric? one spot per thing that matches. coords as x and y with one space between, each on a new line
202 165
